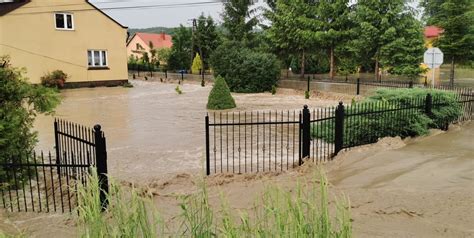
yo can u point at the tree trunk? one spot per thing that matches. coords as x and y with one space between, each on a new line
302 65
451 75
331 67
376 69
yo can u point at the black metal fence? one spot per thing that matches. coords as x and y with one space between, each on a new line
242 142
252 142
48 183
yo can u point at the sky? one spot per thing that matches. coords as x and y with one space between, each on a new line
163 15
167 13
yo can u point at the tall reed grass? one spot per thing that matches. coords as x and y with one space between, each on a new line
302 212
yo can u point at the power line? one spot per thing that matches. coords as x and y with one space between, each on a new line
171 5
44 56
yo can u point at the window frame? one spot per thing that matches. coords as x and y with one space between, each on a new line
65 15
101 59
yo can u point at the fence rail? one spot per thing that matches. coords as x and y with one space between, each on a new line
252 142
48 183
246 142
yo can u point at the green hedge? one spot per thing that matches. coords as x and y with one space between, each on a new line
245 70
368 128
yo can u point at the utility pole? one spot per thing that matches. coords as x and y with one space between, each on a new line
192 39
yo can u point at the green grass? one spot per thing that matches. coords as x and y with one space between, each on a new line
302 212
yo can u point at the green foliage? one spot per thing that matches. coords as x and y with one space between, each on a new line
197 64
178 90
367 128
450 111
127 85
303 212
405 53
129 214
163 55
180 56
274 90
315 63
19 105
245 70
306 94
206 38
55 79
239 20
387 34
220 97
293 27
456 17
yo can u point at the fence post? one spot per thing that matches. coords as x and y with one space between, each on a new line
306 134
308 84
208 159
428 104
166 73
339 129
56 140
410 84
426 81
358 86
101 163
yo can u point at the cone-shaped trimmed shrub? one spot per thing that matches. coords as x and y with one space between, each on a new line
220 97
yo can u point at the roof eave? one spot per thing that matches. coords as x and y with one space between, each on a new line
105 14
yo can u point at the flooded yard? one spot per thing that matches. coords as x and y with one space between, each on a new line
152 131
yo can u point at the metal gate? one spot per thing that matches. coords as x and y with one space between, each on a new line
43 182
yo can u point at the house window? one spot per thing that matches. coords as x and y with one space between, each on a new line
64 21
97 58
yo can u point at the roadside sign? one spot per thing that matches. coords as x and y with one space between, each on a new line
433 57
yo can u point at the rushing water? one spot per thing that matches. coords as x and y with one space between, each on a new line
151 130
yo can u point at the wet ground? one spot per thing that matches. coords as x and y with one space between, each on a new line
422 187
151 130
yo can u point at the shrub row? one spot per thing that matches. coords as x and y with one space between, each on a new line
367 127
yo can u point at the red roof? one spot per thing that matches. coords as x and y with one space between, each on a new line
433 31
161 40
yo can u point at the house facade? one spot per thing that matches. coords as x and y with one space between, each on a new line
69 35
141 43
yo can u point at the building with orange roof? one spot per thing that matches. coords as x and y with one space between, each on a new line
142 43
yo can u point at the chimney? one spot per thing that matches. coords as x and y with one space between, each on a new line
163 36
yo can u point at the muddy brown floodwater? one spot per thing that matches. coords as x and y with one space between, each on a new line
151 130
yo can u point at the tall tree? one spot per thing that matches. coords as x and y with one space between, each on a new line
333 19
456 17
239 20
181 50
293 27
403 55
378 21
206 38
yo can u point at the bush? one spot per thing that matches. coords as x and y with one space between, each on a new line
220 97
55 79
178 90
19 105
367 128
274 90
197 65
447 113
245 70
306 94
